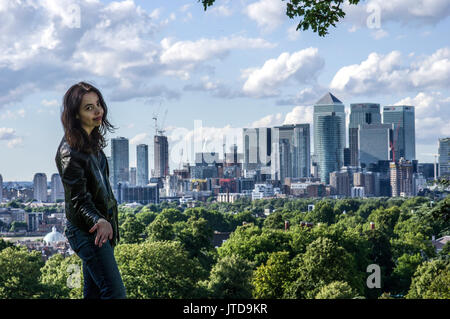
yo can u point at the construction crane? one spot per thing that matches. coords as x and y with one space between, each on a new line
159 131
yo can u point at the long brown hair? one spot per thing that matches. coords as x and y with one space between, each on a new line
76 136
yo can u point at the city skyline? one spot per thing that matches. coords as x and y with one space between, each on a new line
249 68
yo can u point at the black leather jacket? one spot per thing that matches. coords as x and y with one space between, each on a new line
88 194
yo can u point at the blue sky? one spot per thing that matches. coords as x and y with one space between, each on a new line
239 64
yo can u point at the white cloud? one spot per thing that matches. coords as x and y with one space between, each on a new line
222 10
379 34
139 138
269 120
51 103
418 13
300 114
268 14
389 73
9 134
292 33
303 66
182 52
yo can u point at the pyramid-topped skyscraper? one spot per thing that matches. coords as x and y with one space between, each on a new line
329 135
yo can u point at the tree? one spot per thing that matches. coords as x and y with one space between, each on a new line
323 212
159 270
131 230
322 263
63 277
196 236
5 244
145 216
318 15
431 281
254 244
270 280
403 272
160 229
19 275
336 290
231 278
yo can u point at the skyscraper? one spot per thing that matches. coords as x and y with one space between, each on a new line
142 164
57 189
329 135
120 160
290 155
132 176
444 156
1 188
361 113
257 144
40 187
161 153
374 143
404 136
401 173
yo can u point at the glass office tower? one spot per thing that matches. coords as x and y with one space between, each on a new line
360 113
290 151
329 135
404 136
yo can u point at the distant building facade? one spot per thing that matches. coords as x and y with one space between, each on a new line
40 187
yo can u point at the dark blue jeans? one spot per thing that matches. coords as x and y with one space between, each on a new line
101 275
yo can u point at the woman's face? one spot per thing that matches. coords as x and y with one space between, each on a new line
90 112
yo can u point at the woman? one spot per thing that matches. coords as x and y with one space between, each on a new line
91 209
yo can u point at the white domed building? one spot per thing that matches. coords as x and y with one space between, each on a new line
54 237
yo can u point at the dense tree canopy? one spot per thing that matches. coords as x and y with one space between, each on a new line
167 252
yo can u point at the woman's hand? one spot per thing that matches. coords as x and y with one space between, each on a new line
104 231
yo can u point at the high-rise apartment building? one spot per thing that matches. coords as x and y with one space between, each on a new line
40 187
142 164
444 156
57 188
401 173
120 160
161 153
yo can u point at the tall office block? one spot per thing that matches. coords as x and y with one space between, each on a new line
120 160
444 156
290 151
361 113
329 135
257 144
40 187
142 164
161 153
404 136
374 143
57 189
